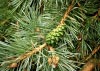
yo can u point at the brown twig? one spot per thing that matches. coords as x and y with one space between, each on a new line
90 55
3 22
93 52
91 64
88 67
31 52
67 12
26 55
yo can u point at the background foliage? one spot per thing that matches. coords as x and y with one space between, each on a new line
27 24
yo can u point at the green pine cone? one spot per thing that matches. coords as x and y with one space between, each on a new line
54 36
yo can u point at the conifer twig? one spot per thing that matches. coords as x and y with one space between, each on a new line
42 46
96 49
26 55
21 57
88 67
91 64
35 50
67 12
93 52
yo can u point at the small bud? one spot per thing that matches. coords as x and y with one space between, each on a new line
13 65
53 61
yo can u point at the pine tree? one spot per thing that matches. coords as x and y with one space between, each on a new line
49 35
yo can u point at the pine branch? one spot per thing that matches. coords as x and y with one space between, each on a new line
88 67
41 46
91 64
31 52
90 55
54 36
26 55
93 52
67 12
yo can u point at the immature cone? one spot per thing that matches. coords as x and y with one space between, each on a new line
55 35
